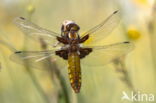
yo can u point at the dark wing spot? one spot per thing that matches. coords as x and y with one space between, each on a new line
18 52
126 42
22 18
115 12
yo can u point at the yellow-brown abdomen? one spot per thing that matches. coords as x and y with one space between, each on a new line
74 71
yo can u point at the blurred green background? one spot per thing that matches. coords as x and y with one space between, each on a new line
100 84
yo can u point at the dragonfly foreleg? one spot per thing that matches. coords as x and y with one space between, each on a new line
83 39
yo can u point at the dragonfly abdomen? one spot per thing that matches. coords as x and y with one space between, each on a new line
74 71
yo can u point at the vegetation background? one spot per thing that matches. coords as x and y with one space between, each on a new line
100 84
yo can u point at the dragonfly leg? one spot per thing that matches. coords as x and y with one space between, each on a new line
56 44
83 39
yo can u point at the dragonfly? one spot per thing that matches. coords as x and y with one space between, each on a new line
74 47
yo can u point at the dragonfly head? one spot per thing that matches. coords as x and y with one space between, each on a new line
69 25
70 28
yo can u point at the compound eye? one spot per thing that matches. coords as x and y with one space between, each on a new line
75 27
62 28
68 28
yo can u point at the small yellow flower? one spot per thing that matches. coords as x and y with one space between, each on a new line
133 33
143 3
30 8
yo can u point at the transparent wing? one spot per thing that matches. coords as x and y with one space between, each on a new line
104 54
36 32
100 31
36 59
